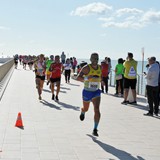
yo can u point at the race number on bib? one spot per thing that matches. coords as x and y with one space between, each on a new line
93 85
40 71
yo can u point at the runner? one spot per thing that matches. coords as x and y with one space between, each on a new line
40 68
90 74
16 61
48 64
56 69
67 70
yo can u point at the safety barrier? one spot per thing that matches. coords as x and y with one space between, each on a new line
4 68
141 86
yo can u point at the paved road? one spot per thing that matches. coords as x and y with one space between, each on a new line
53 131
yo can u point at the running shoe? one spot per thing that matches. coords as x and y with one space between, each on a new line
82 116
57 98
52 96
47 83
95 132
40 98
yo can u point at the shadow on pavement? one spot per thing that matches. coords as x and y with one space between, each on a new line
44 102
65 88
62 91
46 90
21 128
72 84
120 154
68 106
139 106
49 91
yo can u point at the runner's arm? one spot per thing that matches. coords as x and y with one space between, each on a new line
51 68
84 71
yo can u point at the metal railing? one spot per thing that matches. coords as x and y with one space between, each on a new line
141 85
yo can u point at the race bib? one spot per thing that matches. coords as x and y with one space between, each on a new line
40 71
93 85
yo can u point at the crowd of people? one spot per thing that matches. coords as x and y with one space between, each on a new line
95 78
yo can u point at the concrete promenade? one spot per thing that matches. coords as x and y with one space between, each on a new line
53 131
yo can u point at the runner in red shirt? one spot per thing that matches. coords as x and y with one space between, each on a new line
56 70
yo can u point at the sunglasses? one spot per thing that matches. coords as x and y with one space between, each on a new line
95 58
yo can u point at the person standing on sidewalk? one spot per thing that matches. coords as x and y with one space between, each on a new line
105 72
152 86
119 77
130 78
90 74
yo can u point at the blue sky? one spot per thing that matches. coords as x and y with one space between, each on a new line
80 27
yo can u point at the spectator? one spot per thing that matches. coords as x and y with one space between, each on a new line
119 76
104 69
152 77
130 78
63 58
74 64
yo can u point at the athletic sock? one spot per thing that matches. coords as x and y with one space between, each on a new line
83 113
95 125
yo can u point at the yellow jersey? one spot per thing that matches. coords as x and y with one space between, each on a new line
130 69
93 82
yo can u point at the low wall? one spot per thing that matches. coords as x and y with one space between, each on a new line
4 68
4 60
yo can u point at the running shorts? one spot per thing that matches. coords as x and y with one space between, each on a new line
89 95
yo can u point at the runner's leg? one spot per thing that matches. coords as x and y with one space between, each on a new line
96 104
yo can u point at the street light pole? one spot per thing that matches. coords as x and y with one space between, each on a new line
142 70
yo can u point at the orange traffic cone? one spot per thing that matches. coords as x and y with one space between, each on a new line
19 122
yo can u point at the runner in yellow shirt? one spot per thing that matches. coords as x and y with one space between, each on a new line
90 74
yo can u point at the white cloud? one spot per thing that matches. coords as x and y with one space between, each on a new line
151 17
106 19
131 18
126 24
93 8
125 11
122 18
